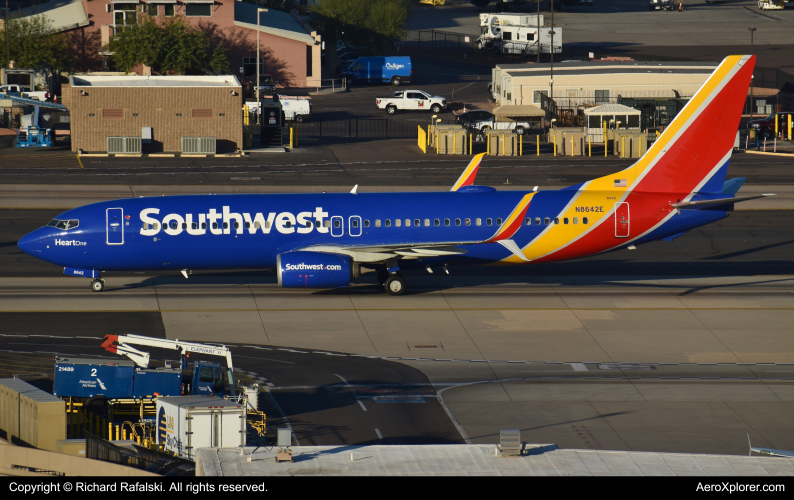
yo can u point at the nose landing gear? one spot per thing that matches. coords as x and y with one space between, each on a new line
97 284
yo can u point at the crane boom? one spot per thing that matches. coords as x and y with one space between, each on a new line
123 344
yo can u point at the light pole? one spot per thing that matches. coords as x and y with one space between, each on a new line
751 29
538 33
258 105
8 43
551 52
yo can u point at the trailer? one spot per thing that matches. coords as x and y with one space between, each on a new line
528 41
491 26
186 423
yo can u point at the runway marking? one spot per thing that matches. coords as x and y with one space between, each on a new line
283 415
353 391
579 367
377 431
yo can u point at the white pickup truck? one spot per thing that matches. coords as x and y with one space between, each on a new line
411 100
14 90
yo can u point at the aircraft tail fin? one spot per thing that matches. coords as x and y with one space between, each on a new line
693 152
468 175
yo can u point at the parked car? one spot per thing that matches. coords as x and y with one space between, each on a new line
469 117
267 85
411 100
394 70
16 91
660 5
518 125
766 126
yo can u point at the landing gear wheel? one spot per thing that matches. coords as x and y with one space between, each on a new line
97 285
383 275
395 285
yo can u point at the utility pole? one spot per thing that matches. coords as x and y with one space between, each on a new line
751 29
8 42
258 30
537 34
551 52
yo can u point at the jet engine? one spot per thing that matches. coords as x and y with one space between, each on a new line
315 270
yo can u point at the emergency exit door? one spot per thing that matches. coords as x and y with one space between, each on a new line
622 221
115 226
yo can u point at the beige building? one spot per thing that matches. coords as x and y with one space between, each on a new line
584 84
154 113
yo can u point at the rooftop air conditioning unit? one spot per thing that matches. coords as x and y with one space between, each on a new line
198 145
121 145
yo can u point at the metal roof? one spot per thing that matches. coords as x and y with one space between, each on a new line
597 64
518 110
273 22
612 109
27 390
65 15
613 71
199 402
154 81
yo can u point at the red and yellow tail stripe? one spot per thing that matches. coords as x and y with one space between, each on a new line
513 222
468 175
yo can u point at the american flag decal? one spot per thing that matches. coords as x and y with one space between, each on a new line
620 183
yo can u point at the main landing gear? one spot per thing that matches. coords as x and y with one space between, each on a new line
394 284
97 284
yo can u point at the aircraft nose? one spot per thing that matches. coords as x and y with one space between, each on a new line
30 243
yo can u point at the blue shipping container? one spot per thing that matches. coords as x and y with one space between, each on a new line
394 70
86 378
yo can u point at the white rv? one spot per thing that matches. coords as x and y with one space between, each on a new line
491 26
528 40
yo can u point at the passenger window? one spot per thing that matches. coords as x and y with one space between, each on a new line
203 225
436 222
173 225
576 220
478 221
584 220
366 222
528 222
184 225
417 222
354 223
547 221
468 222
226 225
145 225
377 222
556 220
308 224
498 222
537 221
286 224
398 222
446 222
327 224
488 222
256 225
427 222
565 220
195 225
457 222
408 222
337 224
237 225
388 222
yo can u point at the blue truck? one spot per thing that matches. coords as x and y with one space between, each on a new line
394 70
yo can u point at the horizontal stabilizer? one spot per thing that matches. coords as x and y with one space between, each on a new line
695 205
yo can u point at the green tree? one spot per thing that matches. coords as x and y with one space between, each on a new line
168 46
367 24
34 44
219 63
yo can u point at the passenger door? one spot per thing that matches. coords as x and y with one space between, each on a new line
114 218
622 223
337 226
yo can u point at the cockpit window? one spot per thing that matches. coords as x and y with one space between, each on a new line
64 224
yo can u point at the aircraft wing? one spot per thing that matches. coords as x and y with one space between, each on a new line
382 253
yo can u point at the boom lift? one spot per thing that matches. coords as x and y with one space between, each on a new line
205 375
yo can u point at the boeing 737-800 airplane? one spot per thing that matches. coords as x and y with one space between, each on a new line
322 240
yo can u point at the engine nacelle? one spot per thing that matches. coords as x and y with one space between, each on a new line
315 270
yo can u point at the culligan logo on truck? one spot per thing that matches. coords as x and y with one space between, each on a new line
394 66
228 222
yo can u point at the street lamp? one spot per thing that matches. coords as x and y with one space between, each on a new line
258 30
751 29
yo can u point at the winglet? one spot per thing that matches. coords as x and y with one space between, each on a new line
353 191
511 245
468 175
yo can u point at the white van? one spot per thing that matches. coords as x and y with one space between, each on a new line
295 107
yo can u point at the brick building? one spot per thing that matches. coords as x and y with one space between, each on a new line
290 51
169 107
